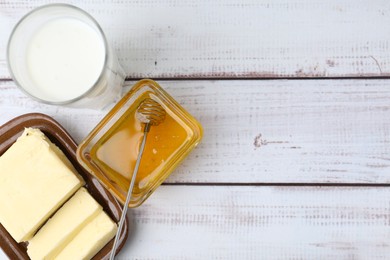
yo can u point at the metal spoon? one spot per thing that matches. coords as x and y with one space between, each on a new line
150 113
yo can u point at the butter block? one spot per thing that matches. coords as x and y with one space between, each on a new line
36 178
63 226
91 239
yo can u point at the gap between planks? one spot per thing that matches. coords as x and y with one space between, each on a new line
284 184
247 78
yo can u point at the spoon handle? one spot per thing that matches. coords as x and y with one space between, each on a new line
129 192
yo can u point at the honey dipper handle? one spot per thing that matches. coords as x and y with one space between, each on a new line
129 192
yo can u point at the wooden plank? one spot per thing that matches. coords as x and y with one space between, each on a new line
184 222
227 39
256 131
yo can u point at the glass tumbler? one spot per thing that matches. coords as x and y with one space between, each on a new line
58 55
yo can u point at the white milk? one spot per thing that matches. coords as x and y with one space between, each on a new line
64 59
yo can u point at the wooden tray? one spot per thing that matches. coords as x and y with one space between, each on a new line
10 131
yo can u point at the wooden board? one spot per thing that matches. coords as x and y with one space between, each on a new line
184 222
251 189
264 131
229 39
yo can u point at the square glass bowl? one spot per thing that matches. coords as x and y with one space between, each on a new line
110 151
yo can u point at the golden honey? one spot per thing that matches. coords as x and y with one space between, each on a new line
110 151
118 150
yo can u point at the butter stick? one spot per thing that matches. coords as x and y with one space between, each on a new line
63 226
36 178
91 239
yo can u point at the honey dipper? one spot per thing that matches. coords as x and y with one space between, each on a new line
151 113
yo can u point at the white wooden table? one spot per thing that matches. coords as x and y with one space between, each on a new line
294 98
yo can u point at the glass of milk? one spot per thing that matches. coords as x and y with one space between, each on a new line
58 55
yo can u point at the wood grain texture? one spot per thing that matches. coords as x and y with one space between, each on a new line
264 131
229 39
181 222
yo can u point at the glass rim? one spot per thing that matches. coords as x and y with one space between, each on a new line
100 31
